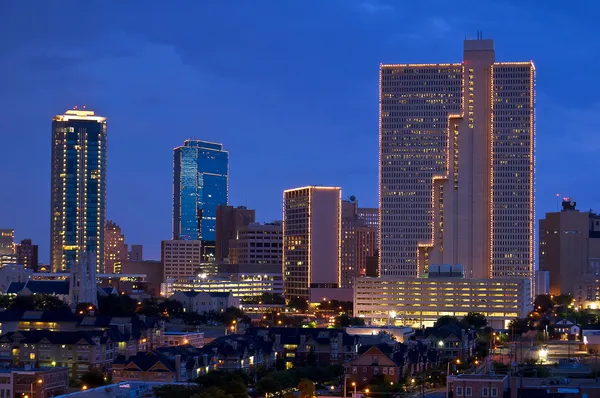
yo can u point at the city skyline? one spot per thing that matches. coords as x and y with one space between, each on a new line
347 154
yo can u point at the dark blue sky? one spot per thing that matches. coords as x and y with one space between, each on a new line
289 87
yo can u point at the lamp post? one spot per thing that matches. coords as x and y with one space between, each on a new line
38 381
354 385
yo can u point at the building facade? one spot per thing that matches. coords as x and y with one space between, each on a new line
370 215
7 241
136 253
257 244
570 252
243 286
27 254
366 246
311 239
78 187
180 257
203 302
200 185
115 249
348 254
420 302
229 220
457 165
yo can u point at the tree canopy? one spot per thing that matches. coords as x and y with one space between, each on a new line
475 320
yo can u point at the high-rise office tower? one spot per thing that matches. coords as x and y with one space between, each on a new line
181 257
370 215
78 188
457 165
348 262
311 239
7 241
229 220
257 244
201 172
27 254
366 246
136 253
570 252
115 249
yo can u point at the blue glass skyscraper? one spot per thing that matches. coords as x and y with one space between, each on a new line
78 188
200 185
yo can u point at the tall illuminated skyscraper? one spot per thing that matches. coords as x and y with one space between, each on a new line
78 188
457 165
312 237
200 185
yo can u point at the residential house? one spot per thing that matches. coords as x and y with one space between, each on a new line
202 302
300 346
452 340
479 386
567 329
195 339
382 359
80 351
151 366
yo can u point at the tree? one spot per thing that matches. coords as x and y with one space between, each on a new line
114 305
92 379
279 363
311 358
170 307
445 320
6 301
23 303
213 392
518 326
298 304
48 302
344 321
231 383
475 320
307 389
543 302
563 299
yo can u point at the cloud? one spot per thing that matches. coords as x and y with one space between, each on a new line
373 7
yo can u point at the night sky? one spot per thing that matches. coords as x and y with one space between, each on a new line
289 87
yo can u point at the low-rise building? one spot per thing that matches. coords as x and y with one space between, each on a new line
152 366
240 285
202 302
299 346
173 339
420 302
451 340
478 386
388 360
13 273
567 329
33 382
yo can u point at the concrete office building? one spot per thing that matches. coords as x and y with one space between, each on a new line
457 165
27 254
570 252
257 244
348 252
370 215
180 257
240 285
115 249
136 253
78 188
229 220
366 246
311 239
7 241
419 302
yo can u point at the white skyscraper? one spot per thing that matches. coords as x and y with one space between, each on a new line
457 165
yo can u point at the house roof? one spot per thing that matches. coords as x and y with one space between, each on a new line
41 316
292 335
48 287
146 361
219 294
15 287
52 337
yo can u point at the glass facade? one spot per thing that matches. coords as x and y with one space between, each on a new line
200 185
78 188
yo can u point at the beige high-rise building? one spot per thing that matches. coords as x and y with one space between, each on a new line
457 165
570 252
311 239
180 257
115 249
257 244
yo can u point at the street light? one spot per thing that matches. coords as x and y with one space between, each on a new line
38 381
354 385
84 387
